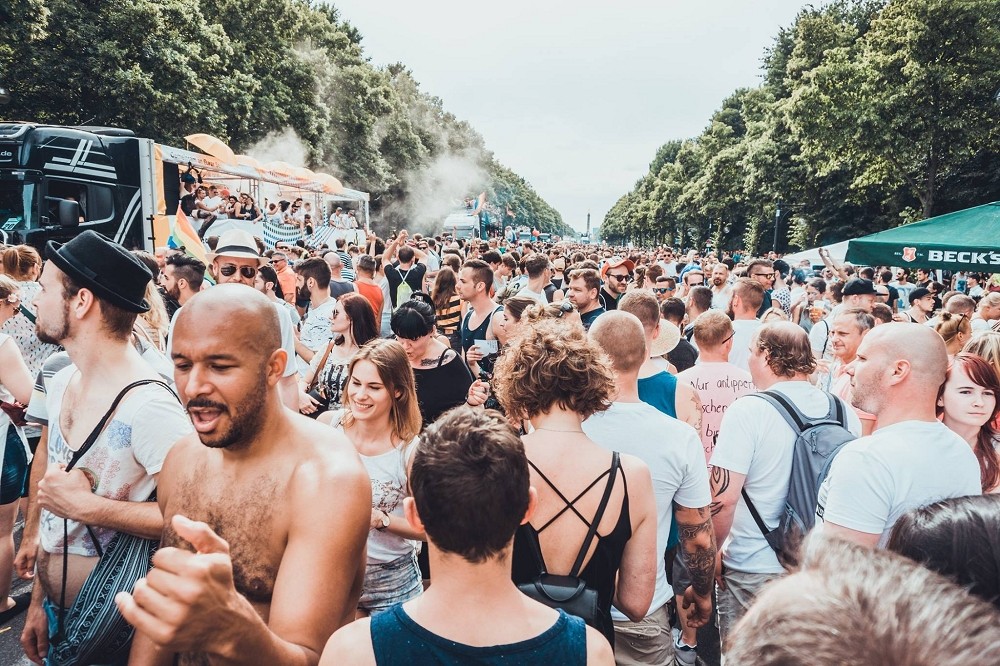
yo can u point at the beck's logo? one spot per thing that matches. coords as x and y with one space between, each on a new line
909 253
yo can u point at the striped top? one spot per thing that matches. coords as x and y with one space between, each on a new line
450 316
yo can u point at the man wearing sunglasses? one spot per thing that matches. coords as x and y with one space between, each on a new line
236 260
617 273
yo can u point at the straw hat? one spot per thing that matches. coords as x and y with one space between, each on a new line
668 338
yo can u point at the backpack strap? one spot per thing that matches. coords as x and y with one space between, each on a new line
615 464
761 525
796 419
837 412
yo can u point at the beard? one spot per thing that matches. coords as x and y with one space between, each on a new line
53 333
302 294
718 282
245 420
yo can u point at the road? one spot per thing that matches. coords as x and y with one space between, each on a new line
11 653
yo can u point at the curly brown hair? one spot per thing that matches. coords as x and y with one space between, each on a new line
787 348
553 365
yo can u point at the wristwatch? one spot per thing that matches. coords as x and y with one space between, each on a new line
385 522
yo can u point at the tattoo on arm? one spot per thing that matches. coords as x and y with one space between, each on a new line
699 551
696 405
720 480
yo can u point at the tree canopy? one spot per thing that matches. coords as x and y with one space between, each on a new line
871 113
241 70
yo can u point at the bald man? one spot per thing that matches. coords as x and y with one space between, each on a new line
912 459
680 481
254 567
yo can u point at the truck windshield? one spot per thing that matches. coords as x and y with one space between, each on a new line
17 204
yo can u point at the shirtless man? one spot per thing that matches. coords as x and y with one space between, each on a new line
256 565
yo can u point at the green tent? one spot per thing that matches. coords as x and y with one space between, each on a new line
966 240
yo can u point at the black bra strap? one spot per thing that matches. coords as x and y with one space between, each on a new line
570 504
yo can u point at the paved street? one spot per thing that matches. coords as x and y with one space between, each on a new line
11 653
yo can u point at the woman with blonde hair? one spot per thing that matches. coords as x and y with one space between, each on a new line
154 324
15 386
955 329
556 377
381 418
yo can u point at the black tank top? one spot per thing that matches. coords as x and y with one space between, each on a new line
602 568
470 335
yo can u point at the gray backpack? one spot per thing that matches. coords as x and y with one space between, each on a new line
817 443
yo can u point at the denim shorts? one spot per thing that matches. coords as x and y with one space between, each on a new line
390 583
14 469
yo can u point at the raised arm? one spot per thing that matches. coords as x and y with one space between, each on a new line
637 573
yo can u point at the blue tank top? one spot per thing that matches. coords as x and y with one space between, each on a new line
397 639
660 391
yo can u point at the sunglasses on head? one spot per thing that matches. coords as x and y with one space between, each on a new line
565 308
229 270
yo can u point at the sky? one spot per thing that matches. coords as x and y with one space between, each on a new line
576 96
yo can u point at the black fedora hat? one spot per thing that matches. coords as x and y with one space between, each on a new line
97 263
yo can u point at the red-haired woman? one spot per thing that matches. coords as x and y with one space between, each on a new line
967 403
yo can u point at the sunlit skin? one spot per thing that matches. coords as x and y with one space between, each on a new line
416 348
617 280
367 396
967 405
763 275
238 276
466 285
584 299
720 274
845 338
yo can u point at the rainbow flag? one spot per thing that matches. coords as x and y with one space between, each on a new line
182 234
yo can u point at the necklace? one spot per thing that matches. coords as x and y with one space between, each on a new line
558 430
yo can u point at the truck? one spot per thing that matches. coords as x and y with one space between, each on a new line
57 181
462 225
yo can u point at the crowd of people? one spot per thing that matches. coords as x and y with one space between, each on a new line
430 450
209 203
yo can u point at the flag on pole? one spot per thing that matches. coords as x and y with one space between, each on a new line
182 234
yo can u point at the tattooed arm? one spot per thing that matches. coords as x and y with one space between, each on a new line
726 487
687 404
698 550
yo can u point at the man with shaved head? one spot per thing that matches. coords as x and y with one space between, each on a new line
912 459
254 566
673 452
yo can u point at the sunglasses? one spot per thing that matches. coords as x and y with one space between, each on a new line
767 275
731 335
620 278
662 290
229 270
565 308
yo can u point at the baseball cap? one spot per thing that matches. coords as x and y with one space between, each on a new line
918 293
859 287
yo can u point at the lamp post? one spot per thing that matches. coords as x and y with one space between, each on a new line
779 209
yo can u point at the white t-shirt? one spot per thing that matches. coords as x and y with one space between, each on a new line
214 204
743 330
756 441
538 297
720 299
315 331
672 450
876 479
390 486
126 455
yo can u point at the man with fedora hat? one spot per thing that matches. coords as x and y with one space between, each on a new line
235 261
616 273
92 292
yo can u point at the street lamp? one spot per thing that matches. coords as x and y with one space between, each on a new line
779 210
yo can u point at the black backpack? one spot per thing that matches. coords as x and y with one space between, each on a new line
817 443
570 593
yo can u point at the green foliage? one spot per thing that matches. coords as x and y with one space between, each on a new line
241 70
871 113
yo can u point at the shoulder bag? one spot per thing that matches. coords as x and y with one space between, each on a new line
93 630
570 593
